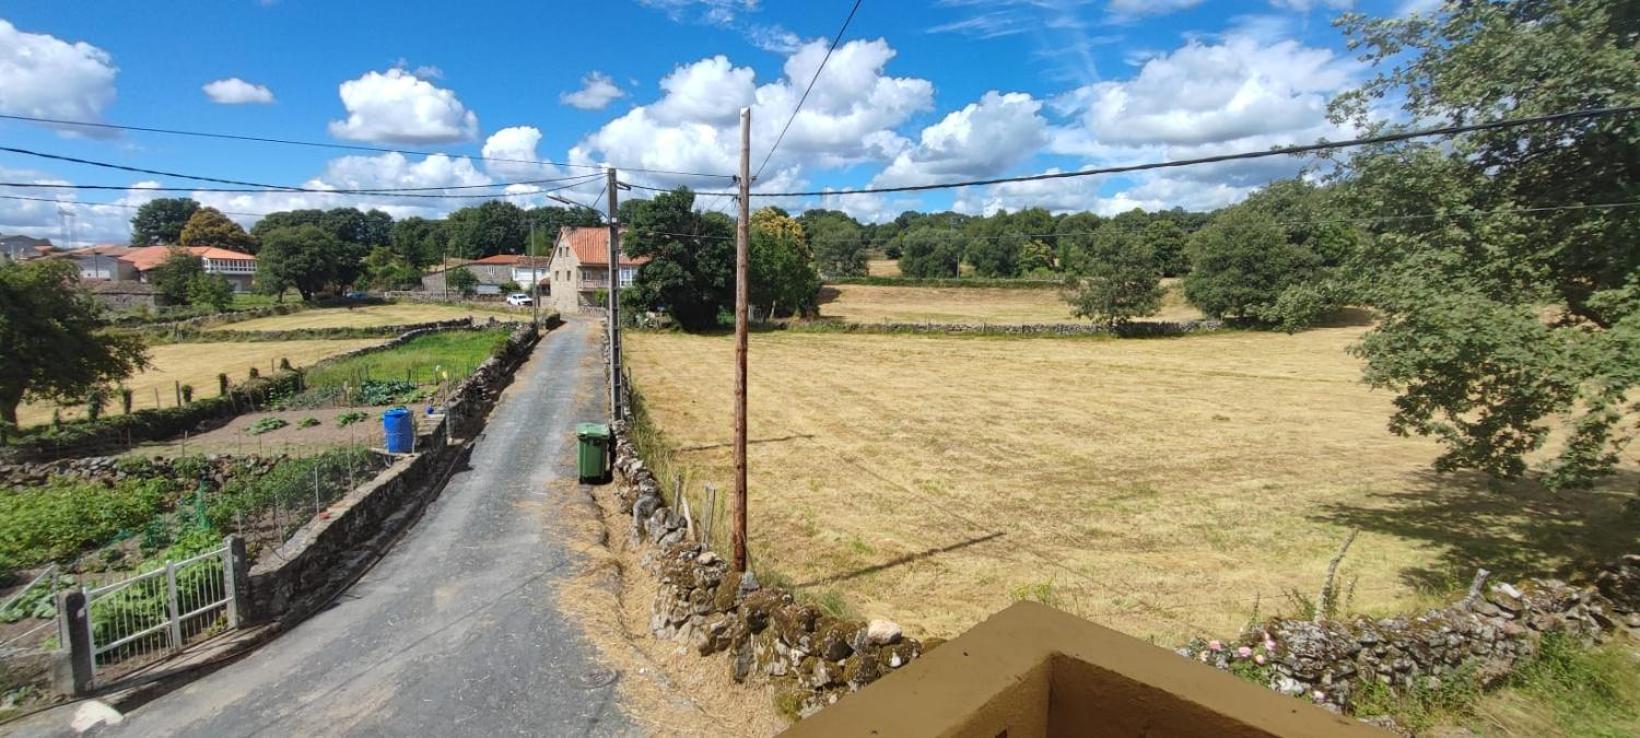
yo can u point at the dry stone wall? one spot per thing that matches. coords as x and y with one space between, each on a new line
1485 635
764 631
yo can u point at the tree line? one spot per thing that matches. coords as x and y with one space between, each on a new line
313 251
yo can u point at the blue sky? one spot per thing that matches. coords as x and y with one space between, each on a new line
920 91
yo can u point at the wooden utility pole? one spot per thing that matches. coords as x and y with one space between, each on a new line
535 282
612 288
743 235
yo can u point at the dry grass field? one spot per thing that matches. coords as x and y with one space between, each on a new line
1164 487
370 316
883 267
198 364
857 303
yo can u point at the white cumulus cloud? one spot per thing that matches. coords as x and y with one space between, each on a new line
235 91
396 106
47 77
596 93
983 139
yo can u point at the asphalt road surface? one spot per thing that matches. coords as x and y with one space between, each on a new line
454 632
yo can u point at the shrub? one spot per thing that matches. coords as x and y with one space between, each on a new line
350 417
307 422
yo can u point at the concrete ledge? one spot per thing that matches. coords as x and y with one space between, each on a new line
1031 671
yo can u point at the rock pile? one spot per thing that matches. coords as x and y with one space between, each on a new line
767 633
1485 635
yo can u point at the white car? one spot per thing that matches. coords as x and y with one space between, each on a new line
520 299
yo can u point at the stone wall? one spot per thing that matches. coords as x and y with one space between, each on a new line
766 633
331 550
1484 635
1145 329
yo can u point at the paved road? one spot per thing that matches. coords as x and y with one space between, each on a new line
454 632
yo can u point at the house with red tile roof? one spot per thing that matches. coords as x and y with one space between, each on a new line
579 269
238 268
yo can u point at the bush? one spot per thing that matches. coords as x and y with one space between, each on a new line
350 417
266 425
1242 262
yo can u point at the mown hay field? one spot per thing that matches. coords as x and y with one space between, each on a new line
368 316
197 364
1163 487
859 303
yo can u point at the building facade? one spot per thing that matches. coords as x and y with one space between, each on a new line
238 268
579 269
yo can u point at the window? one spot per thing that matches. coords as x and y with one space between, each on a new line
627 275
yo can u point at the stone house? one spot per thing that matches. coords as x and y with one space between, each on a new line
23 248
579 269
103 262
492 272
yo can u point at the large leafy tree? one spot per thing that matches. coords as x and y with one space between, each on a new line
1242 262
161 221
838 241
691 272
550 220
1507 306
1120 279
174 275
930 252
304 257
418 240
384 269
209 227
52 345
782 279
494 227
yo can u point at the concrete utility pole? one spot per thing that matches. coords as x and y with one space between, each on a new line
613 288
743 235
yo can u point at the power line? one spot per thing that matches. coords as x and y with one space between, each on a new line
314 191
1279 151
344 147
280 188
817 70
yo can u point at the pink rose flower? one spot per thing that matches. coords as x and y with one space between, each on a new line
1215 645
1259 659
1244 652
1270 645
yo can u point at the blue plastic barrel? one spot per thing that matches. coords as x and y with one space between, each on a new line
400 432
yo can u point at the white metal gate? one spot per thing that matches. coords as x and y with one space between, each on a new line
155 614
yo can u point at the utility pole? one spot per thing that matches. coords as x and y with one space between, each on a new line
743 234
535 282
612 288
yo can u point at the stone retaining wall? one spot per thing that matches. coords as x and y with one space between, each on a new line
327 553
1145 329
813 657
1486 635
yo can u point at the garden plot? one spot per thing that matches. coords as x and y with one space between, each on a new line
1164 487
370 316
197 364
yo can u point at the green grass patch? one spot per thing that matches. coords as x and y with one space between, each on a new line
64 517
425 359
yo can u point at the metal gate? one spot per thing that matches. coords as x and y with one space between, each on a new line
156 614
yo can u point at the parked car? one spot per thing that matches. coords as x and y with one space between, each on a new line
520 299
356 295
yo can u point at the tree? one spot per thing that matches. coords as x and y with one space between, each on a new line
462 281
838 242
550 220
1072 233
1167 242
494 227
209 227
304 257
384 269
1119 281
1241 263
691 272
1495 327
174 275
52 338
998 256
929 253
782 278
418 240
213 290
161 221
